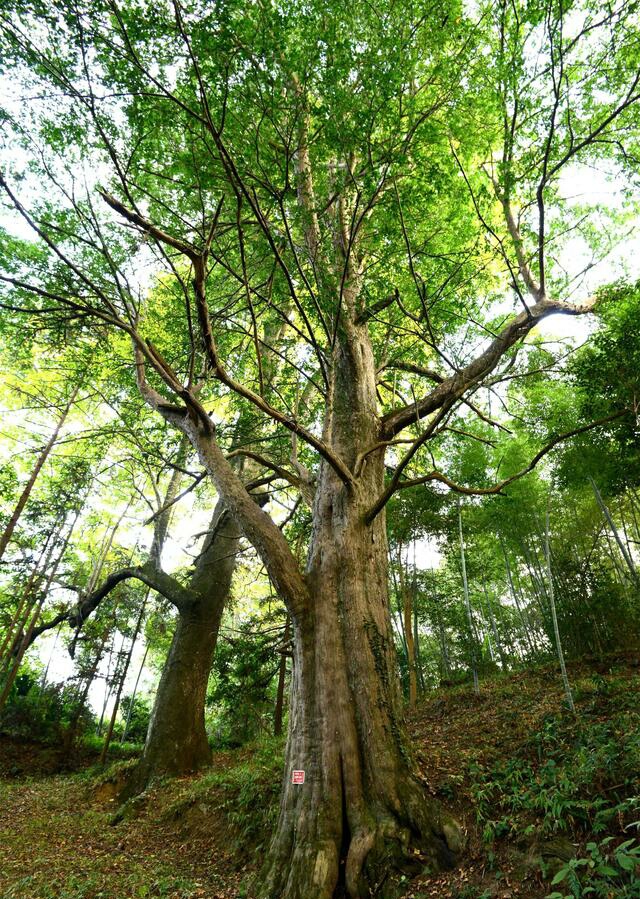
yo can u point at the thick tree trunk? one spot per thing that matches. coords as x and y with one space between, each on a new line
177 741
278 714
361 807
361 813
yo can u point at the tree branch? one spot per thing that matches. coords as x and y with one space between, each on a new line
380 503
455 386
153 577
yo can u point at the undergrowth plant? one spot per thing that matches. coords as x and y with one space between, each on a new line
248 793
604 872
573 776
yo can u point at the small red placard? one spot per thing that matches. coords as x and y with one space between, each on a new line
297 777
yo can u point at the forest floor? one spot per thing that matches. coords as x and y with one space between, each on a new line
533 786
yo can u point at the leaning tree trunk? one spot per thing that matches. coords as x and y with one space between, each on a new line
10 527
177 741
361 813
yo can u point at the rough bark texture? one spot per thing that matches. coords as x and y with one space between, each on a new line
361 811
278 714
176 739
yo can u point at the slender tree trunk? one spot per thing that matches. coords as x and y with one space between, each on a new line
494 628
134 694
537 582
556 631
407 628
486 632
83 691
467 602
418 648
416 632
583 569
45 673
626 555
625 530
614 555
525 627
125 670
636 524
398 617
19 619
15 660
5 537
446 664
108 682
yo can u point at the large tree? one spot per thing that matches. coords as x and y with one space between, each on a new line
385 184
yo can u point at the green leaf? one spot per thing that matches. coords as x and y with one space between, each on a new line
560 876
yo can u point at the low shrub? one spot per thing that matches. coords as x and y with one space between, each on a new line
575 776
605 871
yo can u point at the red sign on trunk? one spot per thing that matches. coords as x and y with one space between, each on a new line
297 777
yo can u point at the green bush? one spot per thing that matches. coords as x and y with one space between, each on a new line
242 687
604 872
40 713
138 709
117 750
582 775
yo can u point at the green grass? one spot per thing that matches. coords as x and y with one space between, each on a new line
247 793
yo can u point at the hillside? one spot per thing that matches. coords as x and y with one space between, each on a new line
533 786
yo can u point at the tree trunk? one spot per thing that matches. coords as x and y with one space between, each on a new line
15 660
626 555
361 812
83 692
7 534
444 651
177 741
407 613
282 674
45 673
525 626
416 643
125 671
556 630
109 679
465 586
24 606
494 628
134 694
